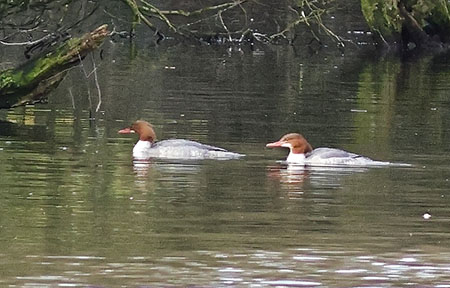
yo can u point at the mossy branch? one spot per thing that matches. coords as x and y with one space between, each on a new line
29 82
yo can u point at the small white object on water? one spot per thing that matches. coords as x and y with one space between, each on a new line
426 216
358 110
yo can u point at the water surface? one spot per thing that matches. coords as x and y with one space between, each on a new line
76 211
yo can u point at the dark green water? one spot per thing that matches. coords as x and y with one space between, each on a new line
75 210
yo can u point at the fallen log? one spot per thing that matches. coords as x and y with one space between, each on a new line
32 81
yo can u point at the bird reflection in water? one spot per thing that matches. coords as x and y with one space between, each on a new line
176 175
295 178
288 174
143 167
291 177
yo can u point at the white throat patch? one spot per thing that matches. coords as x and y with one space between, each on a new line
141 149
296 158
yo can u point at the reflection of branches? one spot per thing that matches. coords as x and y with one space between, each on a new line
97 85
308 13
147 10
39 24
318 18
219 14
314 16
26 43
302 18
149 7
138 16
221 7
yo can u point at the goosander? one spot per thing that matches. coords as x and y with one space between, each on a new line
301 152
147 147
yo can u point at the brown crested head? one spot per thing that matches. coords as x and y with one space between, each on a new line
294 141
143 129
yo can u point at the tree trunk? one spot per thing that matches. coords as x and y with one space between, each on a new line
33 80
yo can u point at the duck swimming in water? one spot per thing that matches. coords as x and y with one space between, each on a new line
147 147
301 152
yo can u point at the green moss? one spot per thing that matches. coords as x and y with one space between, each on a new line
384 16
16 84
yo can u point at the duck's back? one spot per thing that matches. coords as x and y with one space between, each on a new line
332 156
183 149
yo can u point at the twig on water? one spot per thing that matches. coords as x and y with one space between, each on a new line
97 84
99 92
